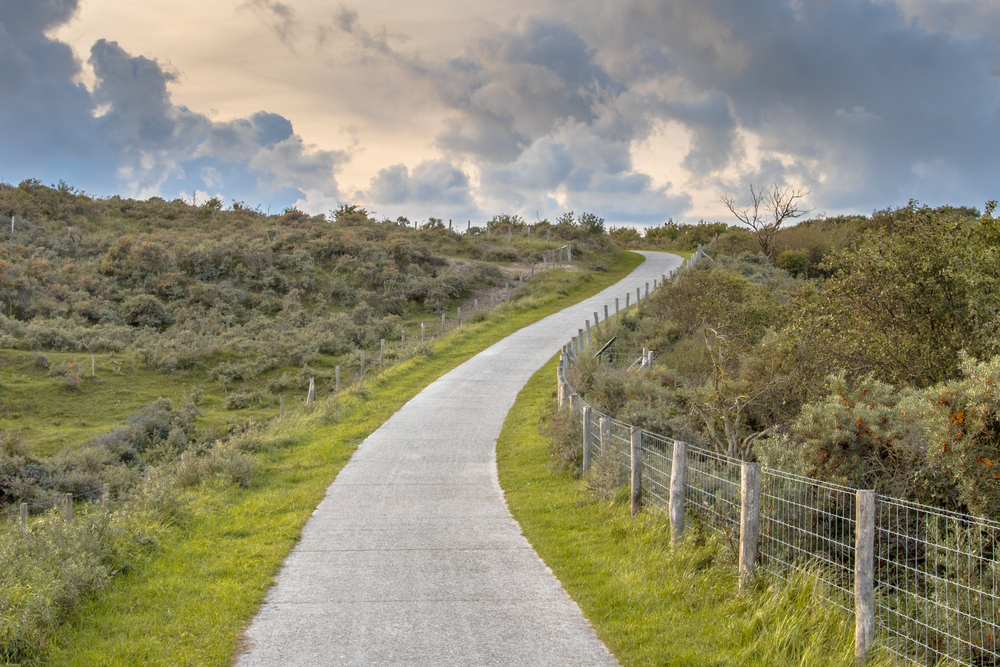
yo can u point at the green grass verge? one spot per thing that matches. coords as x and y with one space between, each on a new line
650 603
188 602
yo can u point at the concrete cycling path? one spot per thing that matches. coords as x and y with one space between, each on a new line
413 558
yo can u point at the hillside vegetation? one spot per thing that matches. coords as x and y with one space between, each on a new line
150 345
862 352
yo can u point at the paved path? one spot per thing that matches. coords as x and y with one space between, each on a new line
412 558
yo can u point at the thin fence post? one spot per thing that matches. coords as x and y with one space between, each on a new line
616 306
586 438
381 354
605 426
647 290
636 434
105 495
606 311
336 379
24 517
569 252
443 322
362 364
645 357
281 412
654 284
421 332
574 399
678 468
864 576
628 295
562 394
638 300
459 316
749 521
68 507
475 304
587 324
597 324
579 341
311 396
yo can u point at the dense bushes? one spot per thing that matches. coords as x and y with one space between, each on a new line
851 357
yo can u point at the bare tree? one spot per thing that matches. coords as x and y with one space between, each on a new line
769 210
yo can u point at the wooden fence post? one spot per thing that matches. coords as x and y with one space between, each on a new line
636 434
105 495
381 354
628 295
336 380
569 252
362 364
442 322
68 507
459 316
606 311
637 299
678 469
24 517
616 306
562 394
311 396
605 435
421 332
586 438
574 399
587 324
597 324
647 291
749 520
864 576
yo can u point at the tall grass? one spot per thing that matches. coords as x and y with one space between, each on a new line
650 602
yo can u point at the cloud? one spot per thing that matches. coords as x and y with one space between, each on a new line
277 16
433 188
127 134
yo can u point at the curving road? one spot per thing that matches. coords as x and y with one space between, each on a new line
412 558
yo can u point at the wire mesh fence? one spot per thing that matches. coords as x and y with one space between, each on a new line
936 575
809 526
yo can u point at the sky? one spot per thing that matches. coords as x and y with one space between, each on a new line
636 110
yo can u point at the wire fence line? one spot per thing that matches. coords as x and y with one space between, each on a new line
933 576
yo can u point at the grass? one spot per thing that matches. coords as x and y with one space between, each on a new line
188 602
653 604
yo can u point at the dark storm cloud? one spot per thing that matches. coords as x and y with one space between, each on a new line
128 134
866 106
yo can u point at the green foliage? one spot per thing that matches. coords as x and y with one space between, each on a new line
795 262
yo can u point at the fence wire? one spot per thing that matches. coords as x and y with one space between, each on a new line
937 573
809 526
936 577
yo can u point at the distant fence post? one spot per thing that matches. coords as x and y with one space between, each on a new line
105 495
586 438
587 324
638 299
864 576
68 507
563 390
421 332
636 434
569 252
362 364
459 316
628 296
616 306
24 517
336 380
574 398
749 520
442 322
645 357
579 341
678 469
311 396
606 311
381 354
605 435
597 324
647 290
